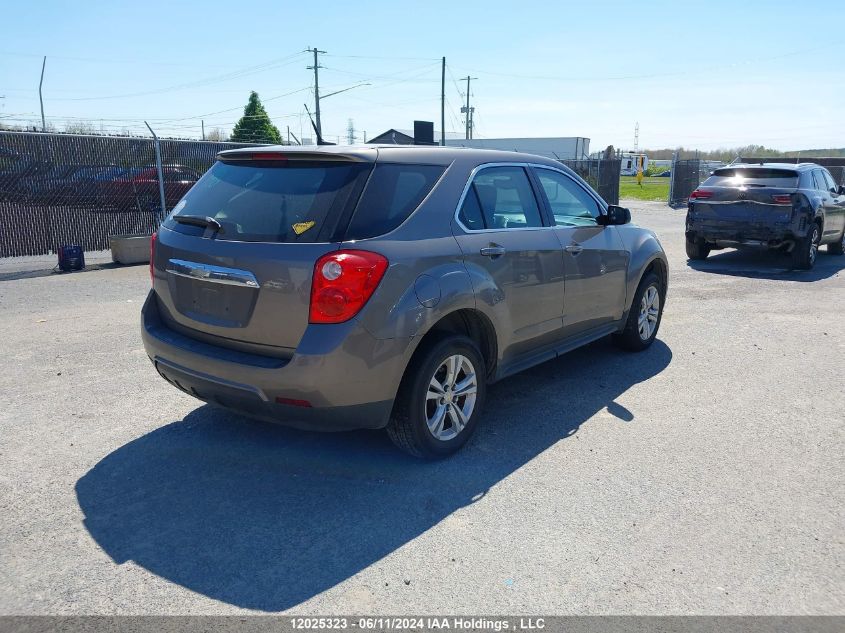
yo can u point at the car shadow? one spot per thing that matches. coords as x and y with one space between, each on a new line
264 517
761 264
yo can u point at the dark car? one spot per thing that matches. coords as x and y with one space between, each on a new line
137 188
37 178
795 208
84 186
375 287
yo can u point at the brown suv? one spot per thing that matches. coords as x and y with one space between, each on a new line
370 287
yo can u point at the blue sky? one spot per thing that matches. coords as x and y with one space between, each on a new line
696 74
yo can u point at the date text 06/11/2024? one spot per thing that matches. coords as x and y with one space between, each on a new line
418 623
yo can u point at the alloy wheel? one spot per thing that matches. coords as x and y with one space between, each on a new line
450 399
649 312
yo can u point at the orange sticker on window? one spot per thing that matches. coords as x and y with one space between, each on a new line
300 227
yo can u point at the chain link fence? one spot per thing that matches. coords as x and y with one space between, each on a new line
602 174
60 189
685 176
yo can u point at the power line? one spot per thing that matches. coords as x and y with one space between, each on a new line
422 59
744 62
243 72
370 77
102 60
199 116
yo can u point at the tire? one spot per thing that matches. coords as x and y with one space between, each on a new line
837 248
431 427
697 249
807 248
634 337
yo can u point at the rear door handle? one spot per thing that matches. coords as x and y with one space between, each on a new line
493 251
574 249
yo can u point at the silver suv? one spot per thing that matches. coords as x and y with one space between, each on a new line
368 287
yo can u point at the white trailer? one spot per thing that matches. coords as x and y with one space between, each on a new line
632 162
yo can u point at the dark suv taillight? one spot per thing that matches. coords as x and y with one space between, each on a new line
698 194
343 282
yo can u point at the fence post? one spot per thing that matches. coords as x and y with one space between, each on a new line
160 172
673 173
598 178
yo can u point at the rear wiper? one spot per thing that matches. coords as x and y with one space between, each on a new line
197 220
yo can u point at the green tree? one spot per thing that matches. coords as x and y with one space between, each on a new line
255 125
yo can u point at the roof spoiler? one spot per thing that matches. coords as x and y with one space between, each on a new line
261 154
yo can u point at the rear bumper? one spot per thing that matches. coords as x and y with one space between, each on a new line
347 378
763 235
756 239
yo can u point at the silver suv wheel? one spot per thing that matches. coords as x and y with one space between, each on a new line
450 399
649 312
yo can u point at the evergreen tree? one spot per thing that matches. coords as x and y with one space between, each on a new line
255 125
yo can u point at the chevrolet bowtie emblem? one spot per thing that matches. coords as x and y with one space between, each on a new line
300 227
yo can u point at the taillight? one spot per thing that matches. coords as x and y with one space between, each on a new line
153 239
782 198
343 282
698 194
294 402
268 156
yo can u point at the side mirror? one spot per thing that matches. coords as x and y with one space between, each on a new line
615 215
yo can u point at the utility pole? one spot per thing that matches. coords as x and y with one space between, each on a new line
40 98
202 121
443 103
316 68
467 109
288 135
637 138
350 133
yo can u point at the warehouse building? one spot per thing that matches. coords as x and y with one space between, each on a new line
562 147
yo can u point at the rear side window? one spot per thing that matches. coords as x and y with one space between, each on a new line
392 193
500 198
752 176
270 201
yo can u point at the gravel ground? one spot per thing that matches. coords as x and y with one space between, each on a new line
702 476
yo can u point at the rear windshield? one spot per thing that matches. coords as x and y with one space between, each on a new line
393 192
752 176
271 201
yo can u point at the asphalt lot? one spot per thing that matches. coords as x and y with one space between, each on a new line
705 475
